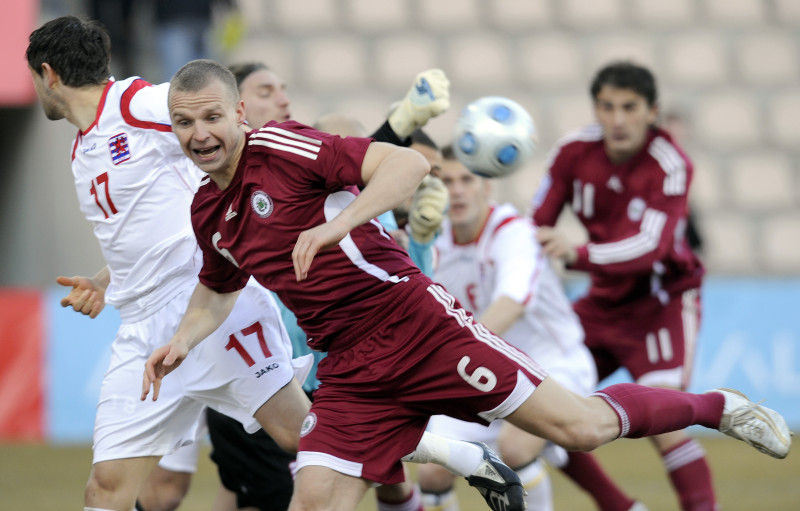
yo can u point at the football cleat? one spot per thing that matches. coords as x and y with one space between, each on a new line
497 483
763 428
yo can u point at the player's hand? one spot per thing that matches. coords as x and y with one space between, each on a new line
160 363
555 245
428 208
86 296
428 97
312 241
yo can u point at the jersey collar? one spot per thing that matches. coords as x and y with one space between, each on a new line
100 107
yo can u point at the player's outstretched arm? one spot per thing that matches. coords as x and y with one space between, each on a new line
391 174
428 97
87 295
206 311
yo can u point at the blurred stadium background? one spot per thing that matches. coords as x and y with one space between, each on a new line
729 77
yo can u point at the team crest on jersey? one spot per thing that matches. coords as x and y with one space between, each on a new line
636 209
120 150
308 424
261 203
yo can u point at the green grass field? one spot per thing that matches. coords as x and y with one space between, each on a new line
43 478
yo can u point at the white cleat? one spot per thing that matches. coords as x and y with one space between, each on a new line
763 428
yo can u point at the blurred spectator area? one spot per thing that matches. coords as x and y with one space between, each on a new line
728 70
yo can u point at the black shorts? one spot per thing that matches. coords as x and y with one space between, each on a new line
252 466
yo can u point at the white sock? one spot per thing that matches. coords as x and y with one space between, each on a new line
457 456
536 481
555 455
413 503
446 501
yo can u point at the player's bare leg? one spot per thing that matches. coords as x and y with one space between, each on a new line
115 484
163 490
282 415
635 411
437 486
319 488
573 422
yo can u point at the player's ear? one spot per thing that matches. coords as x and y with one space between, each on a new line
240 113
49 75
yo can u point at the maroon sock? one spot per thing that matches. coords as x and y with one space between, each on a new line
646 411
587 473
688 470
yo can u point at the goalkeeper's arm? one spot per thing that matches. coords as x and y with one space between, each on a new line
428 97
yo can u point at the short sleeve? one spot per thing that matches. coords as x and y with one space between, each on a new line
515 254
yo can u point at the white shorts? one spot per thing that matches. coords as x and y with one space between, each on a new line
235 370
574 369
185 458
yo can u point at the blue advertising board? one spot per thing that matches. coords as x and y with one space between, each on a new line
749 340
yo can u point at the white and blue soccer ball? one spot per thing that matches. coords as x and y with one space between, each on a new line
494 136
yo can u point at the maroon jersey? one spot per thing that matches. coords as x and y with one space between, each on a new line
291 178
635 214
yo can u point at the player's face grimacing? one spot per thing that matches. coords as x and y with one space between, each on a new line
208 126
469 193
265 98
626 118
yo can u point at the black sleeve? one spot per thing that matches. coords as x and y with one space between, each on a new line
386 134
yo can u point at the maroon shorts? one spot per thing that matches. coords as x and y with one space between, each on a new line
655 343
419 356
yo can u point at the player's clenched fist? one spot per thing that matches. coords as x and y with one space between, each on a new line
428 97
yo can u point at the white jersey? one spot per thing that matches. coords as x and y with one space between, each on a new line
136 186
506 260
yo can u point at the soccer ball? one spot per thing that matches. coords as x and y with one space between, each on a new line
494 136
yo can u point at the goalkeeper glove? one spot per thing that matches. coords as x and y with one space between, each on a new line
428 97
427 209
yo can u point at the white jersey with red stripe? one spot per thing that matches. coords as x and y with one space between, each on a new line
506 260
136 186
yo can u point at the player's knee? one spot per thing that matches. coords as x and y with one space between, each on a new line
434 478
104 486
100 482
581 436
